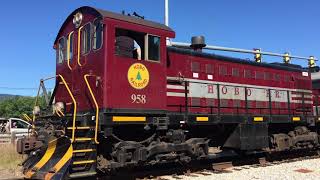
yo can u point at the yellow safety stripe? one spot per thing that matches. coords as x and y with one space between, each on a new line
259 119
128 119
60 112
83 150
83 139
47 155
83 162
295 118
66 157
202 119
84 127
27 117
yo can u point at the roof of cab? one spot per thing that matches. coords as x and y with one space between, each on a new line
112 15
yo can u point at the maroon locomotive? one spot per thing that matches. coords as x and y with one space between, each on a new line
123 97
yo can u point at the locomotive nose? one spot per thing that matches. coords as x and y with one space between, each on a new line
51 161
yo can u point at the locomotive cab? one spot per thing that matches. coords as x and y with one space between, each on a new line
123 58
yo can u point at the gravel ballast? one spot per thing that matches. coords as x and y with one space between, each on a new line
299 170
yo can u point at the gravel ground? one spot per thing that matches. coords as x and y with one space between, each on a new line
310 170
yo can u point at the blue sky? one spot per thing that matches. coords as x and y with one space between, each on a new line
29 28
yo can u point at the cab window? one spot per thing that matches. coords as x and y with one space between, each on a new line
153 48
61 50
70 44
129 44
97 34
137 45
86 38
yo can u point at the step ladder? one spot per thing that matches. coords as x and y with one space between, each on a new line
84 156
84 140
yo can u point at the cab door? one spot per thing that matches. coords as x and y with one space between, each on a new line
138 71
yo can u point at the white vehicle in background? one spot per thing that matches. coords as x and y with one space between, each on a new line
14 125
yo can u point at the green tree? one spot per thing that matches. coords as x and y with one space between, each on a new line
16 106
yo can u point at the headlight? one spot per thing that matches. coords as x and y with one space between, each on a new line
77 19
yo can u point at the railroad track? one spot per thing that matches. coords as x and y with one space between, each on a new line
209 167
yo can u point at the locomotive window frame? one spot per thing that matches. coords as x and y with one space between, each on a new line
59 60
223 70
277 77
209 68
286 78
235 72
248 73
94 38
195 66
71 48
260 75
138 37
146 48
87 38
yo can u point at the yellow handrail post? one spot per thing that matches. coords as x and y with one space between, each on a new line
27 117
97 107
79 44
74 107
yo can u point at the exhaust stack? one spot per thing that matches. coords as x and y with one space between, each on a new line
197 43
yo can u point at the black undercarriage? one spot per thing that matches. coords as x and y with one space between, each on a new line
161 139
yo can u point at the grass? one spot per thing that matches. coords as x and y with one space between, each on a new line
9 160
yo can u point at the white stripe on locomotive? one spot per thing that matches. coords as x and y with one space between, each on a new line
230 91
239 85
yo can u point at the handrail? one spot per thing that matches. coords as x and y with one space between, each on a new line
220 48
68 50
35 104
97 107
79 43
73 100
59 112
27 117
41 83
74 107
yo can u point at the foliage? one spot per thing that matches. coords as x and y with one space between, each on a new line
6 96
18 105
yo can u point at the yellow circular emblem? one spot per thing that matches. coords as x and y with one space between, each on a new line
138 76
